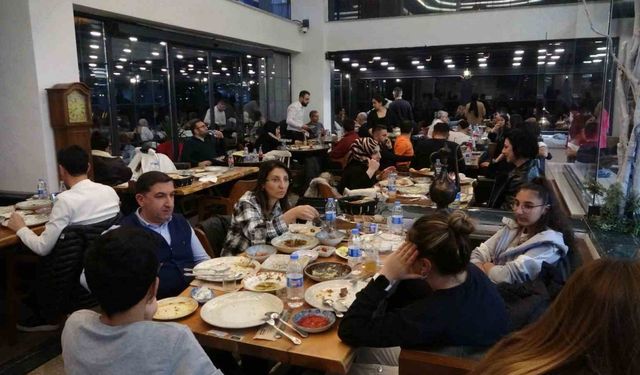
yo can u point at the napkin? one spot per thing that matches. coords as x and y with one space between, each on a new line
370 193
266 332
209 178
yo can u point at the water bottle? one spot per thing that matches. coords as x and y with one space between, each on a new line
354 252
260 154
468 154
391 186
230 159
396 219
330 215
295 282
41 191
438 167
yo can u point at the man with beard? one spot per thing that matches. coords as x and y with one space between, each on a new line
295 116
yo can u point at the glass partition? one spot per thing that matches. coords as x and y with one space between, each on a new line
280 8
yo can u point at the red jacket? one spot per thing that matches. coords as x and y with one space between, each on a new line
343 146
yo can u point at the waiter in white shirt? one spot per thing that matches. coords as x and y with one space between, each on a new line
295 115
220 118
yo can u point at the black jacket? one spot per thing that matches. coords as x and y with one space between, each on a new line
355 176
505 189
110 170
423 148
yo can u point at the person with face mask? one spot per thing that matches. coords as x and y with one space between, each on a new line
426 294
538 234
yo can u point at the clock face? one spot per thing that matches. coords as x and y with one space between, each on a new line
77 107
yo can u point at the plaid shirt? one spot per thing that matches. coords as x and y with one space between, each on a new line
249 224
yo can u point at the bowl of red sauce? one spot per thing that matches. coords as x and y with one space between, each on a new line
313 320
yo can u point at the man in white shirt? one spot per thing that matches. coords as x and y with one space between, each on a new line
463 134
220 118
86 202
295 115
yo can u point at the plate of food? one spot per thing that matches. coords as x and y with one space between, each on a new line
34 204
325 271
31 220
5 211
342 292
240 309
414 189
279 262
306 229
423 171
324 251
404 181
342 252
265 282
226 268
290 242
175 308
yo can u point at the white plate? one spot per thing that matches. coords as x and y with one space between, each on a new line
240 309
175 308
6 210
306 229
33 204
226 268
315 294
217 169
31 220
342 252
324 251
279 262
386 241
277 281
279 242
311 254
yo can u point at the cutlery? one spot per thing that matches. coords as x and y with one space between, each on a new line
293 339
329 302
275 315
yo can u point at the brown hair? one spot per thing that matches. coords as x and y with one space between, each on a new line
594 322
261 195
443 238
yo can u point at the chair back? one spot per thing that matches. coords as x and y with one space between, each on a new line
326 191
238 190
215 229
281 155
202 237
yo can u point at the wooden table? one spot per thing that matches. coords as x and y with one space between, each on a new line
9 238
323 351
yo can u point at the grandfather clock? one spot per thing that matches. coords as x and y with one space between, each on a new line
70 113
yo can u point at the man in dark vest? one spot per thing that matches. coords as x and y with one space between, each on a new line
179 246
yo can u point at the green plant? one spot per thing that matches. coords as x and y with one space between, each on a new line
617 213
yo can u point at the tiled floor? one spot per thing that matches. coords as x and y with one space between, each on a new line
53 367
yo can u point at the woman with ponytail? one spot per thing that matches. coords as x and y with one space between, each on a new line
426 294
539 233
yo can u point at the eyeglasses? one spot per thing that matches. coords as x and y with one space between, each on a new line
526 207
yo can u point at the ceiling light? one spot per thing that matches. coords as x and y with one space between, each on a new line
133 39
224 68
219 61
448 61
482 59
198 72
598 41
551 63
95 33
93 65
398 80
132 80
119 67
143 68
204 79
517 58
248 56
384 63
355 64
601 48
200 58
559 50
190 69
586 62
363 69
598 55
252 72
215 73
190 65
164 69
148 62
122 59
391 68
451 66
516 64
94 46
154 53
482 65
597 60
93 57
227 74
249 64
127 50
163 43
542 50
116 73
415 62
347 76
540 62
555 57
179 56
182 71
519 52
542 57
376 58
466 73
345 59
420 66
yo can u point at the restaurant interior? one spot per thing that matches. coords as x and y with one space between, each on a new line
351 186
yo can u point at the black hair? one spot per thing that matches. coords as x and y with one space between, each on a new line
338 110
303 93
99 141
191 125
523 143
312 112
261 195
270 127
406 126
74 159
120 267
463 124
440 128
148 179
378 98
349 125
379 127
473 105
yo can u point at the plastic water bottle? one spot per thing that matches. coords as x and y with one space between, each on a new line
468 154
354 253
438 167
396 218
41 190
295 282
260 154
391 186
330 215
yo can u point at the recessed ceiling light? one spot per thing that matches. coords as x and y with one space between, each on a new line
598 55
517 58
179 56
555 57
164 69
516 64
415 62
355 64
198 72
540 62
119 67
519 52
190 69
133 39
483 65
94 46
200 58
93 57
132 80
227 74
127 50
542 57
249 64
376 58
154 53
482 59
215 73
190 65
586 62
363 69
542 50
345 59
384 63
347 76
596 60
163 43
95 33
219 61
398 80
559 50
448 61
248 56
601 48
224 68
420 66
148 62
122 59
551 63
116 73
143 68
93 65
451 66
391 68
598 41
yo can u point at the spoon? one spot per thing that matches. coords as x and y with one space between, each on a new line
275 315
293 339
329 302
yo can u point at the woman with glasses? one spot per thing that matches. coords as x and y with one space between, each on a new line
264 213
538 234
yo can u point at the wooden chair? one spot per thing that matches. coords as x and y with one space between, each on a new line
325 191
240 187
417 362
202 237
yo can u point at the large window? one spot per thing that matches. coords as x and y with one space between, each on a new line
281 8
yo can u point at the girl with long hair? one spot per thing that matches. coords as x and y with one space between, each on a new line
264 213
269 139
539 233
377 116
593 327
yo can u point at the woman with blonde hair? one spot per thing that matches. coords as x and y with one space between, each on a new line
593 327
